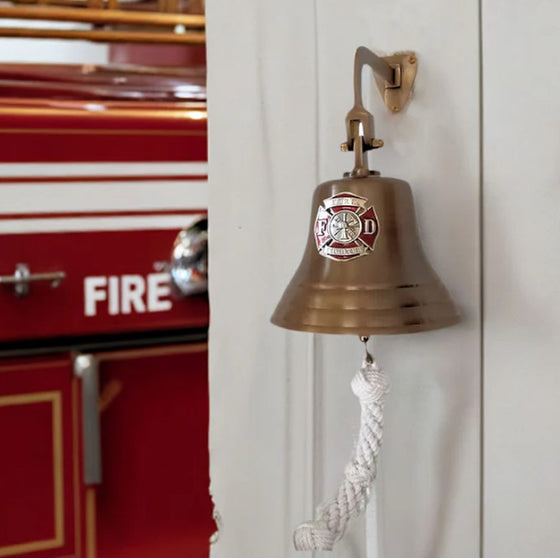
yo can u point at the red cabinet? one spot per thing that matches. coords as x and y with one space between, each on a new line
40 473
153 499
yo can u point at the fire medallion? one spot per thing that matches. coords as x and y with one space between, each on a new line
344 228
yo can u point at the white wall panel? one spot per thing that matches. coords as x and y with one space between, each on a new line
522 278
279 89
50 51
17 197
262 157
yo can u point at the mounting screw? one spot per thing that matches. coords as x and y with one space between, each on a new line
375 143
412 59
395 108
344 146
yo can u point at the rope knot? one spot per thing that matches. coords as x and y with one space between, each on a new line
314 535
370 385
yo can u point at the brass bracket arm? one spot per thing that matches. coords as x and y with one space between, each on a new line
395 76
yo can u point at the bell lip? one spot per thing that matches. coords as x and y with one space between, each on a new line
395 330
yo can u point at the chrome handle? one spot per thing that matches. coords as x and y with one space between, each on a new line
188 267
22 277
86 368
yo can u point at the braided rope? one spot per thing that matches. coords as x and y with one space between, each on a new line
370 385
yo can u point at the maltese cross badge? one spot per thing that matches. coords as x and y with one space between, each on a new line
344 228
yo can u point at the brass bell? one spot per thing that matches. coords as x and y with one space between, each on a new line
345 286
364 271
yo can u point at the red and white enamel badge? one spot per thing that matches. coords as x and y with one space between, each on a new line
344 228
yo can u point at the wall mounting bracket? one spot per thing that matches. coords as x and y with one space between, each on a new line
395 76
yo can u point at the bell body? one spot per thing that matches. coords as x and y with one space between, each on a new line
364 271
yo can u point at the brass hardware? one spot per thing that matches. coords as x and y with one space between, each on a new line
22 278
364 339
394 76
399 96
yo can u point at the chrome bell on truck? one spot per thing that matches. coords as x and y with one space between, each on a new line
188 266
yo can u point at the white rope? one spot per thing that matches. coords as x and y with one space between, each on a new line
371 386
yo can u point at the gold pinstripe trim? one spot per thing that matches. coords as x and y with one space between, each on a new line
53 397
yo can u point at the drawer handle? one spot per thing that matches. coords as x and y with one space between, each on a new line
86 367
22 278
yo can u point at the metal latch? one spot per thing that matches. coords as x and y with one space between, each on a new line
86 367
22 278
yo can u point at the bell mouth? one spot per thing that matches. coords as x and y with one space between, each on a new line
418 327
383 311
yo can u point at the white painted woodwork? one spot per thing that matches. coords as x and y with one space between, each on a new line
262 142
279 88
79 196
50 51
123 195
521 278
54 170
68 224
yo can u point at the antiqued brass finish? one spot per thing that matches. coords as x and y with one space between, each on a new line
397 97
364 271
391 290
395 77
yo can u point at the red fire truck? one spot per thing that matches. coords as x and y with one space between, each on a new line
104 315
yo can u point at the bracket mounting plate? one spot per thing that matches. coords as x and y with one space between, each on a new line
396 97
